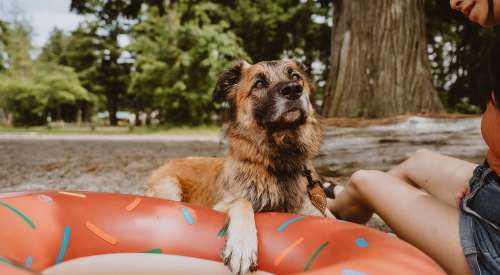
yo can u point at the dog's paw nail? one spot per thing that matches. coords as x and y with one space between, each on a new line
226 256
253 267
240 258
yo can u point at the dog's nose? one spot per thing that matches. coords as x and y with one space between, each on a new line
291 91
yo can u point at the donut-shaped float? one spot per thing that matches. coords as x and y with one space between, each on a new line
41 229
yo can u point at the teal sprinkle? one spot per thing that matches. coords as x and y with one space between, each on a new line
222 231
290 221
347 271
188 217
29 261
17 212
361 242
64 244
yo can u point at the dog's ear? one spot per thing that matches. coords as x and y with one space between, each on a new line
227 80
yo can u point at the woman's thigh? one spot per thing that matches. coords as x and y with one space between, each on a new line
415 216
439 175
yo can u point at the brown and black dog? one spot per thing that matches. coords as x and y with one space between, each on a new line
272 134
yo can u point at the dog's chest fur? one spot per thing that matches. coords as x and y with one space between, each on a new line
265 190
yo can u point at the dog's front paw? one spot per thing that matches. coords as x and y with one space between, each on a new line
240 250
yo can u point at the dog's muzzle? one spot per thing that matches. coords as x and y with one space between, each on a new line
289 106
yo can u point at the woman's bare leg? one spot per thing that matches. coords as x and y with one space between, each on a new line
415 216
441 176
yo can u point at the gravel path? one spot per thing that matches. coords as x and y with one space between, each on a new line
105 163
89 137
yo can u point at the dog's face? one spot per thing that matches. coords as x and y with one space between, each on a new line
270 107
273 95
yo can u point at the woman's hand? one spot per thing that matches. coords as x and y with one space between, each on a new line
461 195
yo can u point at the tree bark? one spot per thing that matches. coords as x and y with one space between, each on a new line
112 102
379 64
79 113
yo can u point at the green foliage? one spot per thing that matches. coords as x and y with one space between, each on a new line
60 85
459 55
54 50
176 67
273 29
109 76
464 106
32 94
93 51
81 50
178 48
30 90
15 44
111 10
4 29
268 29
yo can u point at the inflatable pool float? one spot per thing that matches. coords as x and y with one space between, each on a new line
39 230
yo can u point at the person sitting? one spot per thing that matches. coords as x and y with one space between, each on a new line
447 207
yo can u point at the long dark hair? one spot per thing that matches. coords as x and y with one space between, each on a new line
494 67
494 71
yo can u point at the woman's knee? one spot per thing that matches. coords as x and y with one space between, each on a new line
406 168
423 155
363 178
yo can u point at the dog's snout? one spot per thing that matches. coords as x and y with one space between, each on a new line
291 91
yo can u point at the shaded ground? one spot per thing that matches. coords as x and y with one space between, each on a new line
96 165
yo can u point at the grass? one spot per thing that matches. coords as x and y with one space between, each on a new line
118 130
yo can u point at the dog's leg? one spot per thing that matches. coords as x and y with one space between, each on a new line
166 188
329 214
240 250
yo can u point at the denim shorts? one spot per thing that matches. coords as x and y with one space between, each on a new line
480 222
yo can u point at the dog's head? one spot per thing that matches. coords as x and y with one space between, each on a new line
271 98
273 94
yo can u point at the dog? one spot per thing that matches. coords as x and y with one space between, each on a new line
272 133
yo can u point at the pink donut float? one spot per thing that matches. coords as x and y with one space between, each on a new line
41 229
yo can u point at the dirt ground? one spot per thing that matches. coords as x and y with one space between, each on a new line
95 165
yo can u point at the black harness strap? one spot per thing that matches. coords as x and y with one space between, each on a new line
311 183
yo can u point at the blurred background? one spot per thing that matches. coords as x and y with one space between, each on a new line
95 94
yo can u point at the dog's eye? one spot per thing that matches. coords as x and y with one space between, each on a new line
259 84
295 77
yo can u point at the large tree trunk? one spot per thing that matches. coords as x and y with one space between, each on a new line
112 102
379 63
